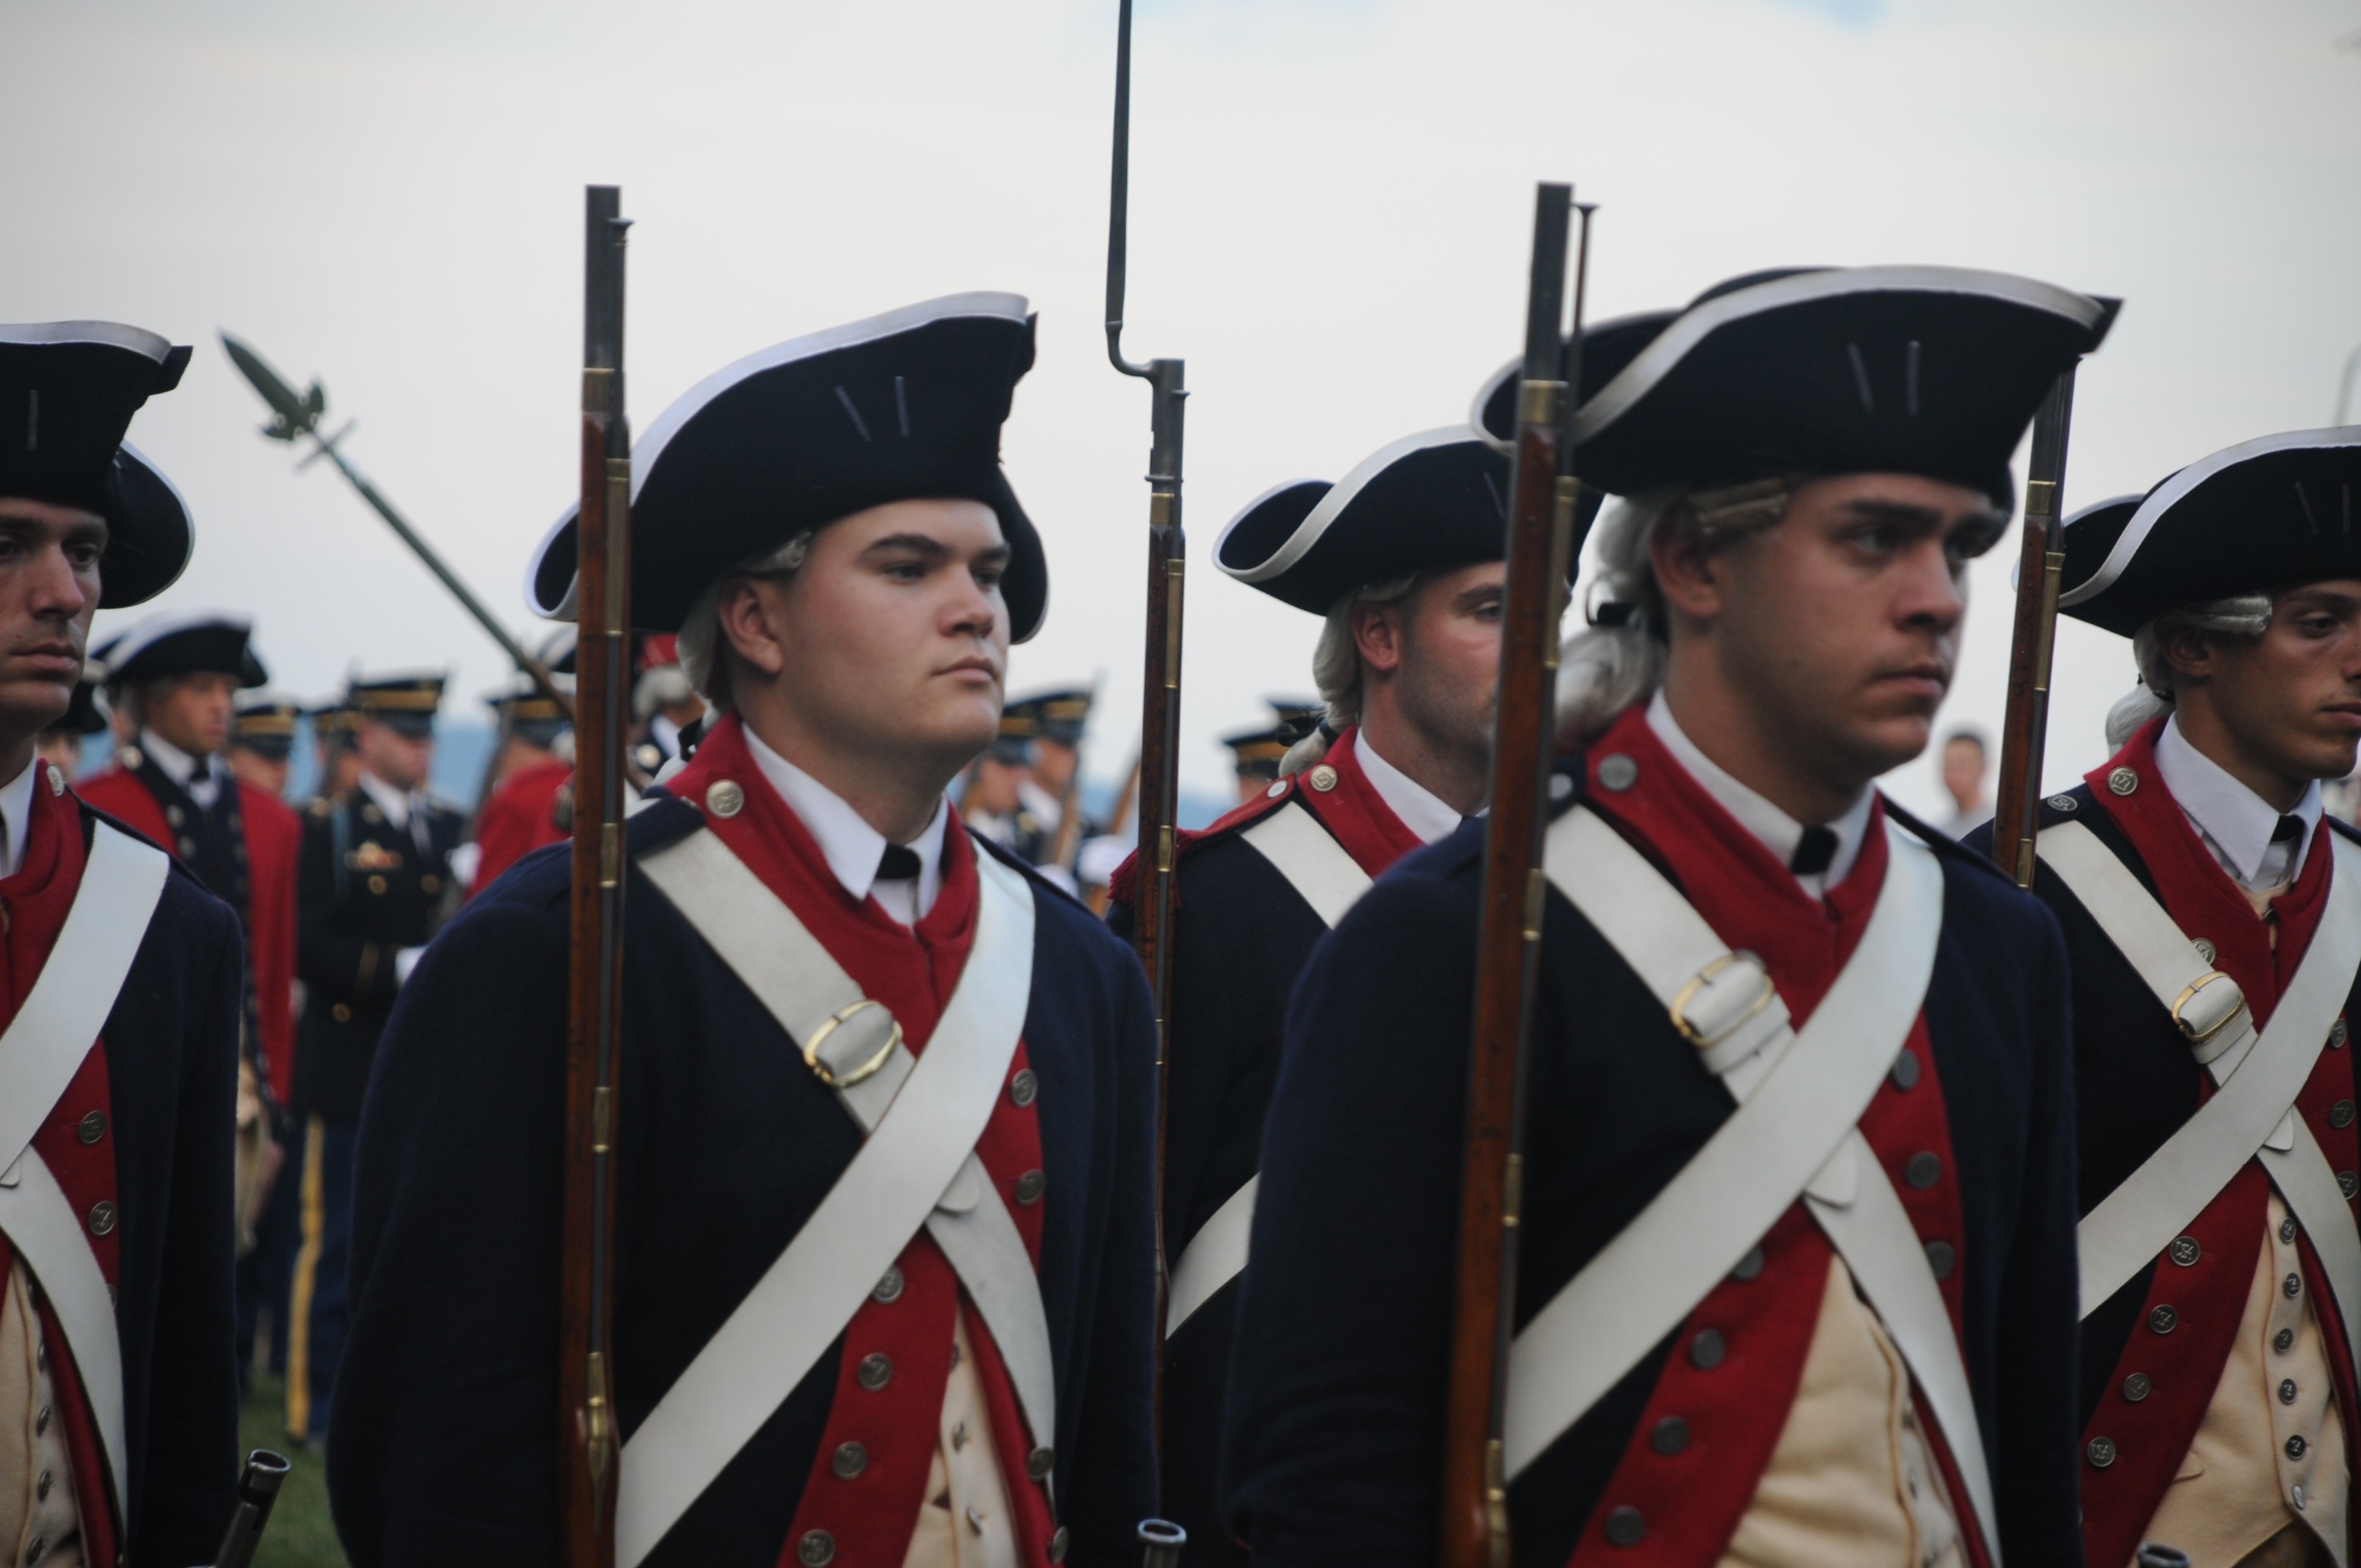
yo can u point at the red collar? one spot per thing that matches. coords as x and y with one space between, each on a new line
911 970
1352 809
2201 898
1744 894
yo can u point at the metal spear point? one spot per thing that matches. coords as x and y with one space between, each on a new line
295 416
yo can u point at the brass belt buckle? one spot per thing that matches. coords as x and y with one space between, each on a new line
820 1068
1698 982
2189 994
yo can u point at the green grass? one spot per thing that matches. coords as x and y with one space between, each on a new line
299 1535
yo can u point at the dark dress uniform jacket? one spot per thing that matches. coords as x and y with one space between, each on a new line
364 891
167 1111
441 1448
1338 1383
2138 1083
1241 936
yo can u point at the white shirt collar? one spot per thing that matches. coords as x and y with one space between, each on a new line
1047 810
1779 832
400 809
15 813
179 764
1421 810
852 848
2234 823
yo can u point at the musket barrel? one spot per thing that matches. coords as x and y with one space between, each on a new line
2032 646
257 1491
1160 1542
1474 1524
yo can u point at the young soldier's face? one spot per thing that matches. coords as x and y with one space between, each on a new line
191 711
1840 623
891 641
49 591
2291 699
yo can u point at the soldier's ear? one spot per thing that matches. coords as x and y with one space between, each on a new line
748 617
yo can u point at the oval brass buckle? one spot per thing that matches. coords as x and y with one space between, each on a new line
820 1068
2188 994
1698 982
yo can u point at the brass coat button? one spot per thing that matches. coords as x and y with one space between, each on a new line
2163 1320
1029 1187
2185 1251
725 798
1626 1527
376 883
2296 1445
1322 778
2340 1115
1906 1070
1748 1267
2204 949
175 816
2347 1183
2060 803
2287 1390
1618 773
2292 1285
2138 1386
431 882
91 1127
1941 1258
1925 1169
1707 1350
1671 1436
2122 781
2101 1451
1040 1462
1275 790
1058 1545
102 1217
889 1289
876 1371
2336 1033
341 1014
815 1549
849 1460
1023 1088
2283 1340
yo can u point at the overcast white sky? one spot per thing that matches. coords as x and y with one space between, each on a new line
1331 201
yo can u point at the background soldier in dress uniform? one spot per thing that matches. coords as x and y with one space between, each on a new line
2217 1354
828 526
376 881
175 679
336 764
262 740
1051 784
1836 1323
664 704
1257 753
530 800
115 1241
1404 558
992 802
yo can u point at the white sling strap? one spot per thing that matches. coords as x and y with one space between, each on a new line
1331 880
2251 1115
44 1047
1794 1135
917 1168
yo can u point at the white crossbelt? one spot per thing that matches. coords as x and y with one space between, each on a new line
1794 1135
915 1169
1331 880
2251 1115
44 1047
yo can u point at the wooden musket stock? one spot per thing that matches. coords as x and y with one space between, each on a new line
2026 729
1474 1524
589 1443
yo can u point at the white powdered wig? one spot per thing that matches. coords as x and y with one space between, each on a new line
699 641
1336 671
1608 665
2243 615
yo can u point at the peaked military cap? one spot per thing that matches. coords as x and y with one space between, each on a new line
1254 747
2271 513
332 717
197 642
1013 744
405 703
1436 499
904 406
67 391
1057 717
1930 370
263 722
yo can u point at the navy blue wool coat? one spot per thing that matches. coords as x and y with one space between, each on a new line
172 1083
442 1447
1338 1381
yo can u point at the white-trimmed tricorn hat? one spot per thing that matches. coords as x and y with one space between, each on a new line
902 406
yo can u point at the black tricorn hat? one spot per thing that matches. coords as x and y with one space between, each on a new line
86 711
200 642
2271 513
67 391
1436 499
904 406
1932 370
1606 347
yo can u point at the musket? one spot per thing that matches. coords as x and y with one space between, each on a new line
1160 1543
257 1489
2025 730
298 416
1160 711
1474 1526
588 1443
